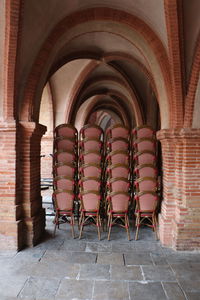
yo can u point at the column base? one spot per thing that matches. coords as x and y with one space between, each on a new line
35 227
11 235
165 231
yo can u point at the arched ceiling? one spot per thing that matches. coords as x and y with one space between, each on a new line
118 49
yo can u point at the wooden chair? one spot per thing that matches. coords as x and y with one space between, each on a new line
90 210
118 203
64 206
145 212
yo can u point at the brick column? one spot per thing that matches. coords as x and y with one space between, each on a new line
180 213
33 213
10 208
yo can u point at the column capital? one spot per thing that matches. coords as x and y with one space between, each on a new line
33 128
178 133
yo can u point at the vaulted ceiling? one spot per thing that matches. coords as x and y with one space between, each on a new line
107 57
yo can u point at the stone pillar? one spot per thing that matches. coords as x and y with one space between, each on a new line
33 213
180 212
11 224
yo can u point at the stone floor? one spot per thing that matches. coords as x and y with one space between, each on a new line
66 268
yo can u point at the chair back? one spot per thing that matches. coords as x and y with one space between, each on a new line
145 157
119 184
64 157
146 170
89 183
63 183
65 144
66 130
90 201
64 200
117 131
90 170
90 144
117 144
118 170
146 184
91 156
146 201
143 144
118 157
91 131
64 169
143 131
119 201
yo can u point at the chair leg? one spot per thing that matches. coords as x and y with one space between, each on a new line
98 227
56 222
110 226
127 226
81 227
155 226
108 222
72 226
137 225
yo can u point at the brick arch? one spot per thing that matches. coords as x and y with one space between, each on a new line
89 107
192 87
13 11
107 112
83 77
96 60
133 102
100 14
136 114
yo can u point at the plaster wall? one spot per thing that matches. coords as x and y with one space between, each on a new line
100 42
62 83
46 113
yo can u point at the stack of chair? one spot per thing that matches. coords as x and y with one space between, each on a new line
143 143
90 176
64 173
117 173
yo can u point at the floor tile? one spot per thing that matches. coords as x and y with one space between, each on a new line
126 273
10 286
98 247
75 289
193 295
158 273
39 287
186 271
146 291
110 258
55 269
173 291
82 258
123 247
138 258
190 285
159 259
106 290
70 257
95 271
74 245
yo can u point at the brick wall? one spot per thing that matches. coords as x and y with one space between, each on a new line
46 159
